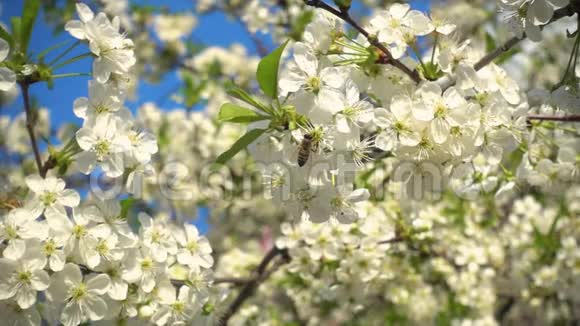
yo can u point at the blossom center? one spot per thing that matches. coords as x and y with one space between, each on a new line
102 148
440 110
455 131
101 108
178 307
102 248
192 246
146 264
395 23
78 292
10 232
24 277
79 231
313 84
49 247
156 236
48 198
339 202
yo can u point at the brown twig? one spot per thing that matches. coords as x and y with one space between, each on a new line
393 240
261 274
565 118
388 57
567 11
232 280
30 123
51 162
490 57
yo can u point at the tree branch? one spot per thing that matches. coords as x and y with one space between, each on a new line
388 57
233 280
565 118
261 274
30 124
567 11
490 57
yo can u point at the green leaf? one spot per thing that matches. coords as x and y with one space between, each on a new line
507 55
6 36
241 95
239 145
489 43
31 8
232 113
267 73
126 205
16 28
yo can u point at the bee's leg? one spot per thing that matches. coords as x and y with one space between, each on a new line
315 147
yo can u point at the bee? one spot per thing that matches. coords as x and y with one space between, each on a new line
307 145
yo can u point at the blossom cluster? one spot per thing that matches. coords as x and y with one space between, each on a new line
71 263
406 184
354 109
109 138
528 16
446 261
91 265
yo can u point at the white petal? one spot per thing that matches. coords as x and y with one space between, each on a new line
305 59
541 12
72 314
419 23
26 297
446 29
118 290
86 138
72 273
342 124
330 101
4 49
40 280
423 112
166 293
359 195
80 107
384 142
76 28
57 260
98 284
398 10
15 249
96 308
101 70
35 183
85 13
69 198
439 130
85 162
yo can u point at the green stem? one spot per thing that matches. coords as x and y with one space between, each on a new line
73 59
435 44
65 52
72 74
352 47
418 55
